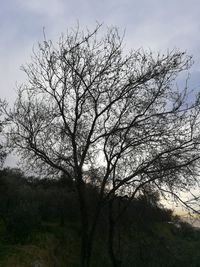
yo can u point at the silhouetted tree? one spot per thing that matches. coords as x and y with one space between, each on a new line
2 147
87 104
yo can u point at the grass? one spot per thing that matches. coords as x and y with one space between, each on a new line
53 245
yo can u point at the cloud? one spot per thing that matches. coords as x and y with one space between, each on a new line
153 24
49 8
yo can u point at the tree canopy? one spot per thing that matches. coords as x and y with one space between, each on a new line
88 104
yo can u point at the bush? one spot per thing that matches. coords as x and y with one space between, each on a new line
22 221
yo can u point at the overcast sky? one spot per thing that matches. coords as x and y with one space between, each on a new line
154 24
151 24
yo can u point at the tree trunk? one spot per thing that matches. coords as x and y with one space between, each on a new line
86 244
87 228
111 236
85 249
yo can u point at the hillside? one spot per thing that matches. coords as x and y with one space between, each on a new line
40 224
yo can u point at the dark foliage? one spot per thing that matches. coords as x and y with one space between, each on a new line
26 201
145 230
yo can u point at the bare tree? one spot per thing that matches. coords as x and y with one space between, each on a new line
3 151
87 105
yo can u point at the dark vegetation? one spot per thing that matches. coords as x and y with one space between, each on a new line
40 220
